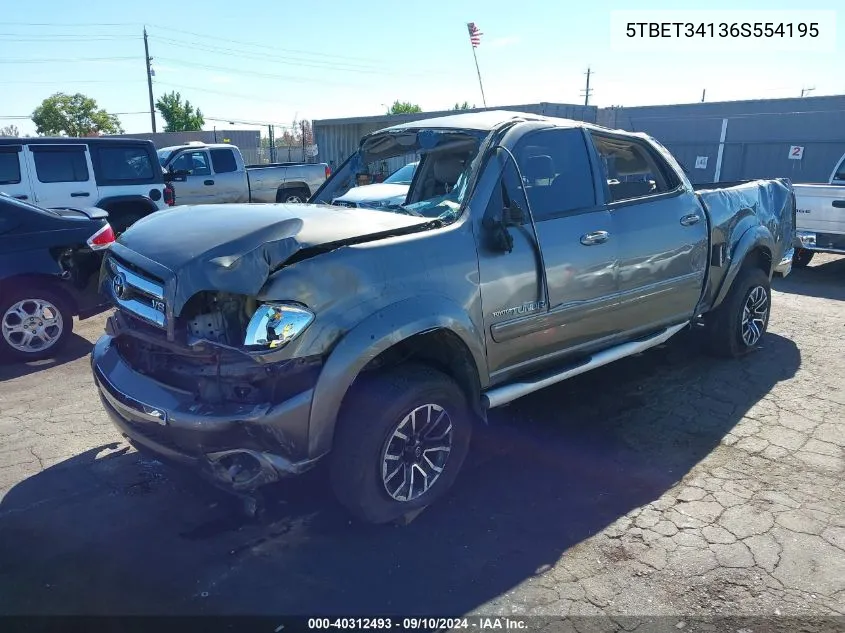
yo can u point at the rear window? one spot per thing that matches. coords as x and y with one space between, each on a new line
60 164
10 167
123 165
223 161
840 172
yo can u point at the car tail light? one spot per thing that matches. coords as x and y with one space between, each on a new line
169 195
328 172
102 238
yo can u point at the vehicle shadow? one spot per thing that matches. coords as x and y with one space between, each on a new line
109 532
825 279
76 347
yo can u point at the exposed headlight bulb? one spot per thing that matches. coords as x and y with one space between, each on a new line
275 324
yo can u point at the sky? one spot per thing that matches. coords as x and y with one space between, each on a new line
273 61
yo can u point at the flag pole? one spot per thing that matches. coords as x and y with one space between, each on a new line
477 69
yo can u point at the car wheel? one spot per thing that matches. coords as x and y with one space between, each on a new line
802 257
35 324
740 322
292 196
402 437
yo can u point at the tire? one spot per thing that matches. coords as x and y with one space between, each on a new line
33 307
802 257
730 337
365 443
292 196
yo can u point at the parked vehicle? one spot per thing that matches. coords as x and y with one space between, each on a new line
263 339
821 217
118 175
49 272
216 174
392 191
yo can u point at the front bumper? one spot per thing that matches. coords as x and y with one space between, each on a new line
237 446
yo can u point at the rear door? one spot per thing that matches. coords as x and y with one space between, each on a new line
578 253
198 187
661 232
62 175
229 176
14 176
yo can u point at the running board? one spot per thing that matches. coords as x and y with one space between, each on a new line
498 396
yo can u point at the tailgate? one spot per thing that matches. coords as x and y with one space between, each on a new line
821 208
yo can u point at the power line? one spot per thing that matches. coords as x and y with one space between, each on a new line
217 92
73 81
29 116
54 60
296 61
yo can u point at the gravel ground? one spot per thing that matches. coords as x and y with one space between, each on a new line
670 483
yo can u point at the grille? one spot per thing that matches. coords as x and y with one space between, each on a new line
137 294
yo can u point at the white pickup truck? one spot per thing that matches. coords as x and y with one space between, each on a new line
216 174
820 217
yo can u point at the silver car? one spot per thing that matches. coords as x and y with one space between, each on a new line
392 191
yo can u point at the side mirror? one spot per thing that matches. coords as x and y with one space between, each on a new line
513 215
176 176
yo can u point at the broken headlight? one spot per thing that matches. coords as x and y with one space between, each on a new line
275 324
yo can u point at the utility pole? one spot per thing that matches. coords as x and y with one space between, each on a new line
272 140
302 123
703 92
148 59
586 91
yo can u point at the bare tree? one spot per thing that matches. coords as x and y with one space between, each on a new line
10 130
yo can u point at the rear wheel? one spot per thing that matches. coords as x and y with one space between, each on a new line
802 257
35 323
292 196
740 322
402 437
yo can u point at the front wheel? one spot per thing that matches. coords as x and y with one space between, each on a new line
35 324
802 257
401 439
740 322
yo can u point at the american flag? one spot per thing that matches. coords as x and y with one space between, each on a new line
474 34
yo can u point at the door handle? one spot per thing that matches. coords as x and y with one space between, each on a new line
208 182
839 204
80 194
23 197
596 237
689 220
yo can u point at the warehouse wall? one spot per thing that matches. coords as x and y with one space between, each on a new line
758 136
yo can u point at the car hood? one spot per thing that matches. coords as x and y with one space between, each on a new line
372 193
235 247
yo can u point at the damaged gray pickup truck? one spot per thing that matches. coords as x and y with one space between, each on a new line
266 338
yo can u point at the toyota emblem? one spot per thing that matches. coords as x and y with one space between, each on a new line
118 286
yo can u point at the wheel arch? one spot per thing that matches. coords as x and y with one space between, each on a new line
755 249
294 184
34 280
441 336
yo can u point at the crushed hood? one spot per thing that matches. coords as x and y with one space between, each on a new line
235 247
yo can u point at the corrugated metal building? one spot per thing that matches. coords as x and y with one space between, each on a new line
248 141
337 139
755 137
756 143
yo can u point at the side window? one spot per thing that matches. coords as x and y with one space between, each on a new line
632 170
60 164
555 167
223 161
123 164
10 166
195 163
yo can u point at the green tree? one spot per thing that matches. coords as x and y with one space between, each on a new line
404 107
463 106
178 116
73 115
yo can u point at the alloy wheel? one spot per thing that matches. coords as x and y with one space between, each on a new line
755 315
32 325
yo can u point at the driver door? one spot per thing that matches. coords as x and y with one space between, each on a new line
198 186
574 253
